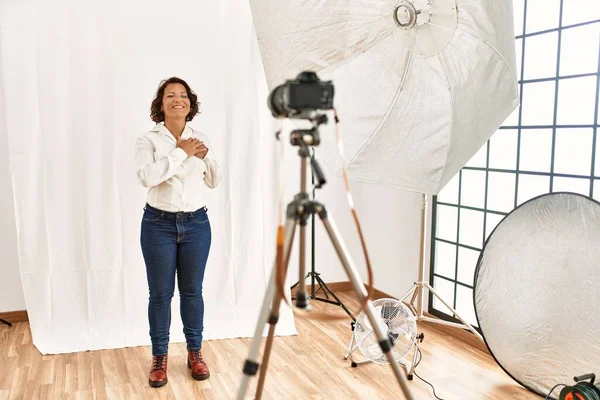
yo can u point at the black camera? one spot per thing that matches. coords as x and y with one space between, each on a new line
299 98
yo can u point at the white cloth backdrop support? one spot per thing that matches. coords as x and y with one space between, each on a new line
79 76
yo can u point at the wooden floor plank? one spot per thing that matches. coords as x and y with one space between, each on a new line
307 366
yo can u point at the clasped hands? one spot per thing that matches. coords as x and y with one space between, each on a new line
193 147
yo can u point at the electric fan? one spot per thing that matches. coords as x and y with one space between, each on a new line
398 322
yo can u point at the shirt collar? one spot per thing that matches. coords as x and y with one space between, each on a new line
161 128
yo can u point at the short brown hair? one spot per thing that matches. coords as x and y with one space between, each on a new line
156 113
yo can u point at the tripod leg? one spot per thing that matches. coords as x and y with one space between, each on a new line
414 360
361 293
5 322
272 323
410 291
267 354
351 347
465 324
322 288
415 289
295 285
326 289
251 365
319 290
301 297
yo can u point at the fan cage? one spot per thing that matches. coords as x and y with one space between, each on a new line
396 320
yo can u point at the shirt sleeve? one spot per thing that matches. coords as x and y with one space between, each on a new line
212 175
152 172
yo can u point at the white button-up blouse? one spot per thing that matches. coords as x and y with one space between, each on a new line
176 182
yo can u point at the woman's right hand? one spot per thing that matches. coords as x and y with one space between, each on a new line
190 146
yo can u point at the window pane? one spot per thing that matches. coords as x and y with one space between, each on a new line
471 228
531 186
576 101
575 185
538 103
540 56
449 194
536 150
473 188
501 191
464 304
467 261
447 218
597 189
479 159
576 11
445 259
542 15
503 149
491 221
579 50
518 15
513 119
446 291
573 152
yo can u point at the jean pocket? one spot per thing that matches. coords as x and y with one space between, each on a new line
200 219
151 217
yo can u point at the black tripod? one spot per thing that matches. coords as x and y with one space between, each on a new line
315 276
5 322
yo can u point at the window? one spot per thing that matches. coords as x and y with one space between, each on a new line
549 144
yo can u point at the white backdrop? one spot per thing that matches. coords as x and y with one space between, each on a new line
78 77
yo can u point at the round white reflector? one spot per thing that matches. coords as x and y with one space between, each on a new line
536 291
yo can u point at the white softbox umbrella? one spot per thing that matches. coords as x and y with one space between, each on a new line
420 85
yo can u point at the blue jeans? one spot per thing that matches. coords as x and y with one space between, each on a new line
175 243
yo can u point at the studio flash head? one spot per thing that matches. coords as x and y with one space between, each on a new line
301 97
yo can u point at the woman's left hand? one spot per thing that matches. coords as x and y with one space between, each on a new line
201 153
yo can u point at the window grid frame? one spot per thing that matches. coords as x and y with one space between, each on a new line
517 172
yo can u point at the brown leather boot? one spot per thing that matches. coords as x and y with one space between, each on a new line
197 365
158 371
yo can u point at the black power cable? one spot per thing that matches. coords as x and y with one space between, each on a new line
552 390
417 375
581 391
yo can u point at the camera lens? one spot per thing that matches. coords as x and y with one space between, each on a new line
277 101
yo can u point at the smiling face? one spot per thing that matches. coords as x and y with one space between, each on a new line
175 102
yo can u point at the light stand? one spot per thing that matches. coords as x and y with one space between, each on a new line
315 276
421 285
298 212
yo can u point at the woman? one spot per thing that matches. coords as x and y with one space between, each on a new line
175 161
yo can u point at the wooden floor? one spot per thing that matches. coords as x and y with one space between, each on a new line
307 366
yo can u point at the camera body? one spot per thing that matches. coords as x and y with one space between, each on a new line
301 97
